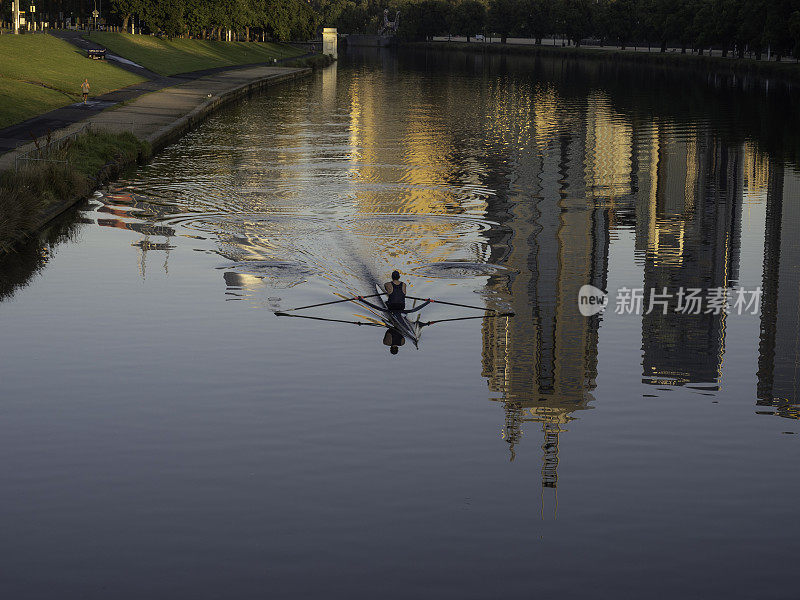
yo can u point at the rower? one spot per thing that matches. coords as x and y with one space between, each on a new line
397 293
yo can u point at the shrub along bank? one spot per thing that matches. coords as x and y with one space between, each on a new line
36 193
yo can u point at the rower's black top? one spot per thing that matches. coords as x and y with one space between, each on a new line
396 299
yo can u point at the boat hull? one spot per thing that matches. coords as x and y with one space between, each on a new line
398 320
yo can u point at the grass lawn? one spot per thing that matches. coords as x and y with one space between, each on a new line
20 101
39 73
169 57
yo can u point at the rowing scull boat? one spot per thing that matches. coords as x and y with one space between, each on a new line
395 319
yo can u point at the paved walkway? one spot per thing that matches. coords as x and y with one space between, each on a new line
19 137
22 133
147 116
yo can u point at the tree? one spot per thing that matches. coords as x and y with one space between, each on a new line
354 18
751 26
504 17
618 19
468 18
704 31
579 19
777 35
538 18
725 17
165 18
125 9
794 31
198 17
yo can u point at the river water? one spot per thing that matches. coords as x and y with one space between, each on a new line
165 435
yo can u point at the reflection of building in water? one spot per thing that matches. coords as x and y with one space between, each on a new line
328 93
411 161
779 350
543 361
688 224
755 172
609 141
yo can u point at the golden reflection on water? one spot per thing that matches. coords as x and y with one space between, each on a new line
609 143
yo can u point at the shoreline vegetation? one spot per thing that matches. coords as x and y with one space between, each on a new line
35 194
758 28
744 67
314 61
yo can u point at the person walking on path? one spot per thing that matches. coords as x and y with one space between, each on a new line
85 89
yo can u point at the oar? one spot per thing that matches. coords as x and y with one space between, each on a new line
454 304
328 303
468 318
283 314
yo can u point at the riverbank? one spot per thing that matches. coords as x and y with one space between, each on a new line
741 68
154 120
44 188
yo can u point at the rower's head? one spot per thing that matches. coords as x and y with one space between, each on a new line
395 275
394 349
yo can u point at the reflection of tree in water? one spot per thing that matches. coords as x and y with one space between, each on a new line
18 268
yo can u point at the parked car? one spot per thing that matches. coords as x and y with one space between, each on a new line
479 37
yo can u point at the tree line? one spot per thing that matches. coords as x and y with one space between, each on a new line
740 26
277 20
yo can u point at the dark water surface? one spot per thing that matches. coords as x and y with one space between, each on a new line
164 435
